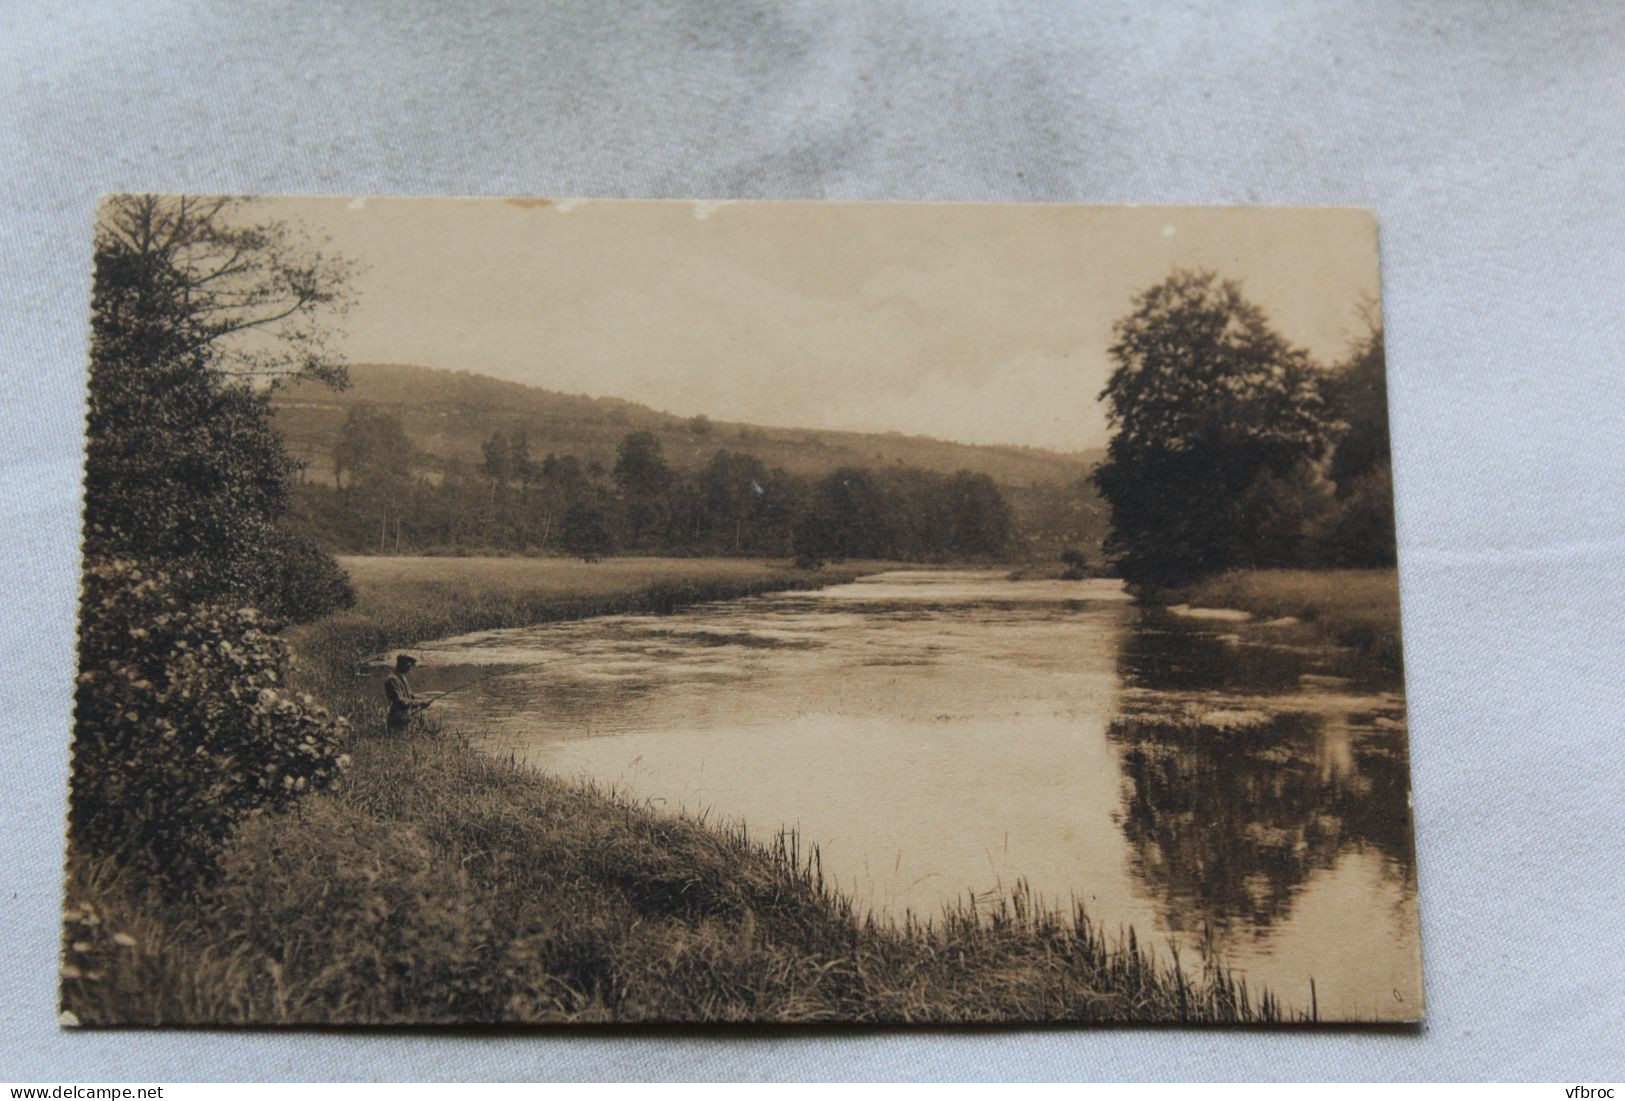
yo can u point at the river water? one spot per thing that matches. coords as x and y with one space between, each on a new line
941 734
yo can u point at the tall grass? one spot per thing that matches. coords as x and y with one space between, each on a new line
446 885
443 885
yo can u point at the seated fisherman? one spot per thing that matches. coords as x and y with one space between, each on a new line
403 702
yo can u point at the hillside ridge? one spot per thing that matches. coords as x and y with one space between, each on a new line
447 414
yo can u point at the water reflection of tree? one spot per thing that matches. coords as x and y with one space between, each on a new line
1227 826
1167 656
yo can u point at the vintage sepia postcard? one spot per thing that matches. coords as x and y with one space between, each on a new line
537 611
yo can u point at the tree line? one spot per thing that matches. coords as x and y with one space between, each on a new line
513 500
1231 448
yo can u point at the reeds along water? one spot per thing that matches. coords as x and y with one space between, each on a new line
1082 964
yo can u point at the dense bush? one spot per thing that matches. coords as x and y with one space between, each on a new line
299 581
182 724
1362 532
586 533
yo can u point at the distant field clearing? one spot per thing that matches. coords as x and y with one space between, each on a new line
386 578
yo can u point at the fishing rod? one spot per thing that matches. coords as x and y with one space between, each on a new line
486 677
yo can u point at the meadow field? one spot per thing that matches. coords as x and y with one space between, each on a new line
544 588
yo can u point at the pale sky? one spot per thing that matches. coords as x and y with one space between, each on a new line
969 322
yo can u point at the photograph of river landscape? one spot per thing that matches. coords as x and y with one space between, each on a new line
549 611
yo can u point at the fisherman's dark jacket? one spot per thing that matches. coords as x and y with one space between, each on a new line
400 696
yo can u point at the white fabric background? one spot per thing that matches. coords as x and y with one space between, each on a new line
1490 139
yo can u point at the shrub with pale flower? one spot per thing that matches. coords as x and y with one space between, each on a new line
182 725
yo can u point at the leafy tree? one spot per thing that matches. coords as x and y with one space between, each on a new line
585 531
524 468
909 514
1289 516
1206 402
640 466
979 514
564 469
851 506
773 523
373 448
498 462
734 504
300 581
733 487
645 482
813 542
1356 395
181 470
178 277
196 312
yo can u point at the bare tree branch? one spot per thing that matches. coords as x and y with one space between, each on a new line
218 278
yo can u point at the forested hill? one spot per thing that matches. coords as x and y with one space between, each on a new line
448 415
432 432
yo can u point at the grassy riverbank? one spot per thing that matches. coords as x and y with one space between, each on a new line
1354 608
443 885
